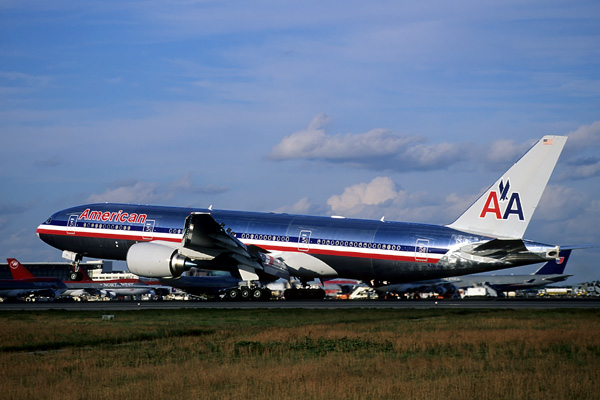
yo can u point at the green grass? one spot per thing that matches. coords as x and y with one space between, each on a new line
298 354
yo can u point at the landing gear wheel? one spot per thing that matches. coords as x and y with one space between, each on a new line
257 294
232 294
76 276
244 294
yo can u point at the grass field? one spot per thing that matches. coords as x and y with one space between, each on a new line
301 354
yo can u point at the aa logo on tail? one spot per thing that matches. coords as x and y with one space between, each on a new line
511 206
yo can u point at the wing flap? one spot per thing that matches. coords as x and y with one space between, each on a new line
205 239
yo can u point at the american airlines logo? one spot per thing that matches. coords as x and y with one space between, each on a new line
495 198
107 216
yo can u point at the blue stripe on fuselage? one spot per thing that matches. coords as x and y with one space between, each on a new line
345 239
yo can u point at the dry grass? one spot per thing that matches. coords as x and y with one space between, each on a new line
339 354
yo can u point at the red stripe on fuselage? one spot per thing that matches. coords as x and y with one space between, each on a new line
338 253
137 236
352 254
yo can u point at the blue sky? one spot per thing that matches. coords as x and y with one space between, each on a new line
394 109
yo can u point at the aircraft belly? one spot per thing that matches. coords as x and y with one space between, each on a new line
406 271
348 267
114 249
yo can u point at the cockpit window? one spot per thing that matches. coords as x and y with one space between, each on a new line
48 221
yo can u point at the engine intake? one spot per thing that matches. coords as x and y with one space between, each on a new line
156 260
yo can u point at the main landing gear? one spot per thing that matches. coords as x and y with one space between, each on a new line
245 293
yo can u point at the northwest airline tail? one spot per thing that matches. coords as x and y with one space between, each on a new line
17 270
505 209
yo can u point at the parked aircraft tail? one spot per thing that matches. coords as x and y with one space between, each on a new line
505 209
555 267
17 269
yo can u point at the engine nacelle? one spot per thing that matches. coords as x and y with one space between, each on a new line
156 260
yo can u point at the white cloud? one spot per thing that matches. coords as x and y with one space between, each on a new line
585 136
376 192
377 149
381 198
507 151
566 216
586 170
187 185
135 192
302 206
581 153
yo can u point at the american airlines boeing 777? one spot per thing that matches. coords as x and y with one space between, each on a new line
164 242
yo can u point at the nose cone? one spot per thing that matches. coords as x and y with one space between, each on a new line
44 225
48 229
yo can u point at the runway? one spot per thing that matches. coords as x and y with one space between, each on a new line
306 304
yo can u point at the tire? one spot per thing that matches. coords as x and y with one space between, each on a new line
244 294
256 294
76 276
232 294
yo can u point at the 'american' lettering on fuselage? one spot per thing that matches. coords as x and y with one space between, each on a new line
107 216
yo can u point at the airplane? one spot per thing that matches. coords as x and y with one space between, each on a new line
550 272
221 287
86 286
164 242
112 288
25 285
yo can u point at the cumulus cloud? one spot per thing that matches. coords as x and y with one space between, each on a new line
585 136
581 153
376 192
377 149
134 191
382 149
382 198
302 206
507 151
186 184
582 169
130 192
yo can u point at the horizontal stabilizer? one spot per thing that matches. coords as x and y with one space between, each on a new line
509 250
499 248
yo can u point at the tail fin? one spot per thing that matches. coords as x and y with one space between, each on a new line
555 267
17 269
505 209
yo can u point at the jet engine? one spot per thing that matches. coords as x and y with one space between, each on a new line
156 260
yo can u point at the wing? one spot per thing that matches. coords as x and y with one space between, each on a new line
209 244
